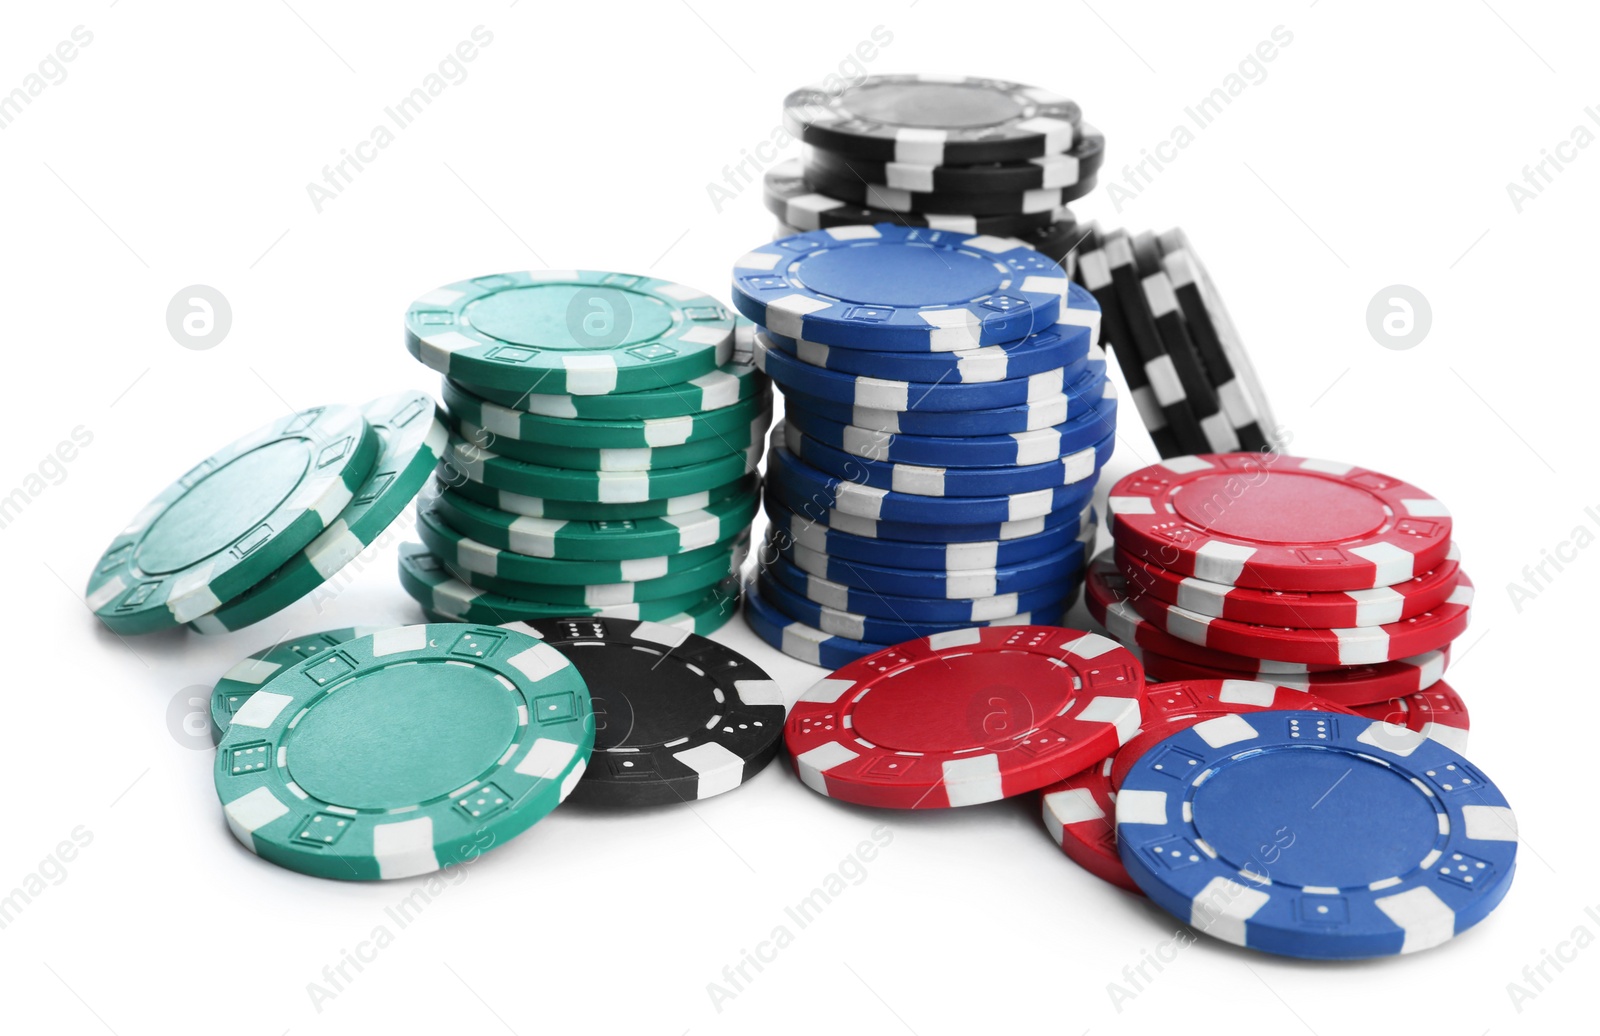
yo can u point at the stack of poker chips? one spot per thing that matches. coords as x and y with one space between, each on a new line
946 417
978 156
605 435
1306 573
1164 323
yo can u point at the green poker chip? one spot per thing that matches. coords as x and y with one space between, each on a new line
734 381
597 541
252 674
233 520
605 487
598 595
508 423
411 441
582 511
644 458
704 617
464 553
583 332
404 752
429 582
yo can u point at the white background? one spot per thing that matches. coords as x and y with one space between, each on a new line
177 151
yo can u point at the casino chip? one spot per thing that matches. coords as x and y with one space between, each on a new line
497 471
233 520
715 566
802 208
872 629
506 422
412 441
1354 686
404 752
1080 813
921 532
960 611
965 717
1069 168
641 458
1313 835
1041 413
1437 712
245 679
1276 522
580 332
797 639
952 584
677 717
991 203
516 504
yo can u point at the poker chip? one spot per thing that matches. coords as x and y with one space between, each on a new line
1279 522
411 440
233 520
1352 686
798 640
242 681
965 717
1042 413
971 451
404 752
896 288
579 332
921 532
802 208
1437 712
1080 814
596 540
952 584
1178 348
1377 606
1313 835
925 480
579 458
518 504
872 629
1068 168
937 120
988 203
697 578
677 717
503 422
919 609
497 471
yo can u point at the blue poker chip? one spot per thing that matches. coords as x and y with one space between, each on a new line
804 482
1057 569
925 480
1083 396
962 612
836 623
918 532
937 556
1309 834
792 374
798 640
900 289
1062 344
966 451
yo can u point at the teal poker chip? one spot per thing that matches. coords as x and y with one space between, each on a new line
586 511
583 332
675 430
604 487
404 752
646 458
597 541
699 579
233 520
249 676
412 440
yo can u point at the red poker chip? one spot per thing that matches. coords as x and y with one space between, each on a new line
1438 713
964 717
1276 522
1377 606
1174 707
1105 594
1351 686
1081 815
1357 645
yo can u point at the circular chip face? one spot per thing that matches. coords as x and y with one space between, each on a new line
1437 712
965 717
491 469
1080 814
899 288
1276 522
1069 168
1352 686
580 332
802 209
249 676
233 520
449 477
506 422
1056 569
798 640
870 628
822 513
404 752
965 611
677 717
411 442
857 191
934 120
1315 835
1378 606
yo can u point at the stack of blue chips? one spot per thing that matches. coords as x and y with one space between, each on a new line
947 414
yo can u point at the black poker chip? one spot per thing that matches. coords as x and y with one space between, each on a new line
1078 163
678 717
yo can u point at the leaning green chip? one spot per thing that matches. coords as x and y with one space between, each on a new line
583 332
700 578
233 520
405 752
412 440
597 541
584 511
242 681
508 423
642 458
604 487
